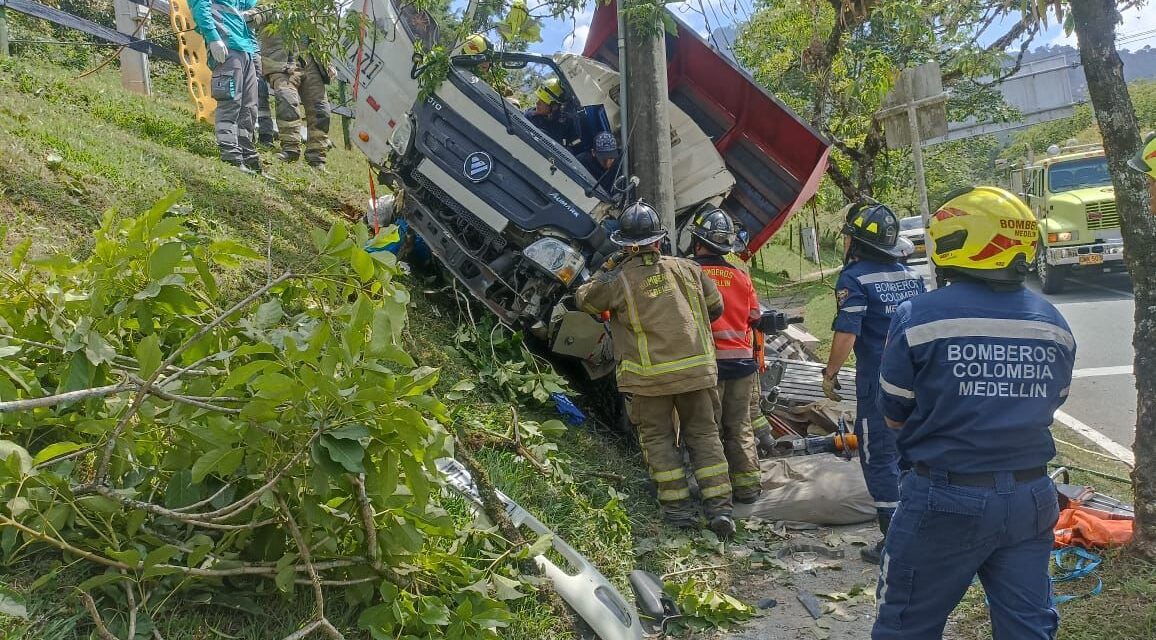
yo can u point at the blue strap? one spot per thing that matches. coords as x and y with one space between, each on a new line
572 414
1075 563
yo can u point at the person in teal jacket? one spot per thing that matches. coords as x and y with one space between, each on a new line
233 58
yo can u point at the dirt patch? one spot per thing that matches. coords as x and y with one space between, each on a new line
824 563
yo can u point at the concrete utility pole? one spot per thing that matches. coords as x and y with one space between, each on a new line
648 138
134 65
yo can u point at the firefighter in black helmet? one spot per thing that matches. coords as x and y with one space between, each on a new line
661 309
870 288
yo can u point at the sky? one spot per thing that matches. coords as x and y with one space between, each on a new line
1138 29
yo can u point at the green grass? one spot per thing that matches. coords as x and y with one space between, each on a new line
778 263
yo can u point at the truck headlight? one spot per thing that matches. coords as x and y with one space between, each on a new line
557 258
1063 236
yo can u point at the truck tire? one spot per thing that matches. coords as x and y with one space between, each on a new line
1053 278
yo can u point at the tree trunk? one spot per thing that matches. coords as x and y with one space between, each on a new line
1095 22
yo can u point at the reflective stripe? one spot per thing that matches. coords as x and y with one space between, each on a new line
856 309
714 492
669 476
881 590
746 479
734 354
886 505
666 367
1064 392
894 390
635 325
887 276
866 443
760 422
670 495
989 328
756 314
730 333
711 471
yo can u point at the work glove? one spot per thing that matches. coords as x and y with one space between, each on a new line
219 51
765 442
772 322
831 386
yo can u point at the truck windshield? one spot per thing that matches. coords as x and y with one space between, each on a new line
1078 174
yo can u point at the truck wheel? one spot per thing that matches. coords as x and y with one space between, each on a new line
1053 277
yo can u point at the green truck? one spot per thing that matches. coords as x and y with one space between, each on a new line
1070 192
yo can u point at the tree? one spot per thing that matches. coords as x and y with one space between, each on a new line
1095 25
833 61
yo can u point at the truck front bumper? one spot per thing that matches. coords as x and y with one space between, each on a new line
1087 254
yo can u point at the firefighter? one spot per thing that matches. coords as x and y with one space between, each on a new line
872 284
661 309
298 80
232 51
713 237
548 114
478 45
602 160
970 377
1145 162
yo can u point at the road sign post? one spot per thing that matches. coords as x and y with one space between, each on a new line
915 111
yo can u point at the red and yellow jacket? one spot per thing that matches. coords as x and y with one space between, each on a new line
732 332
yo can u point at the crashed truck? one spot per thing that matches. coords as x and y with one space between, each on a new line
512 213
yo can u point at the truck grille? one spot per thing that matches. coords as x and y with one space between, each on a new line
1102 215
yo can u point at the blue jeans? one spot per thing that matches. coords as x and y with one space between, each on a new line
943 535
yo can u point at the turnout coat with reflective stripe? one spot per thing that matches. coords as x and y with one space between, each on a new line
660 321
975 375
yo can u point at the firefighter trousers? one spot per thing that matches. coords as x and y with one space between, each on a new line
654 418
738 436
304 87
944 535
759 422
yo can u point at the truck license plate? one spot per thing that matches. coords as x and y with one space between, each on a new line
1093 258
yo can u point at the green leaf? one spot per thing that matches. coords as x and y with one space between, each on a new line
148 355
9 351
221 461
98 350
131 557
274 386
181 492
164 259
108 578
347 453
160 555
268 314
506 588
541 545
10 450
12 603
55 451
80 374
362 264
229 253
19 252
18 505
350 432
99 505
243 373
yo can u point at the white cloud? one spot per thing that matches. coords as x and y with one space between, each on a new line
576 32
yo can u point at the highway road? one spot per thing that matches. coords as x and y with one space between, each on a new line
1102 402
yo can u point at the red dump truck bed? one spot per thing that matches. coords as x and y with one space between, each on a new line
777 159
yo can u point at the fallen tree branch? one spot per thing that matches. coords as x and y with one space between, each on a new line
132 609
114 437
304 631
367 514
101 629
714 567
29 404
194 519
307 559
521 448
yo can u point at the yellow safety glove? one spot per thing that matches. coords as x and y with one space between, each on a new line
831 386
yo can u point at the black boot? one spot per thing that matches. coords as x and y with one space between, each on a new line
722 526
874 555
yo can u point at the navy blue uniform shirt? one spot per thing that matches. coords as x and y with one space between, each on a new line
975 375
868 294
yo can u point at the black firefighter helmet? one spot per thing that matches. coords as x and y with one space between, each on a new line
639 225
877 227
715 230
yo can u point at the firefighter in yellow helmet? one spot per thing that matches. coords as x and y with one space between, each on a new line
494 75
549 113
971 375
1145 162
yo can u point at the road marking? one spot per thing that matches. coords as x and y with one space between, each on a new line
1122 453
1095 372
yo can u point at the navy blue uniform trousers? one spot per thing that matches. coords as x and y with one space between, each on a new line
944 535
